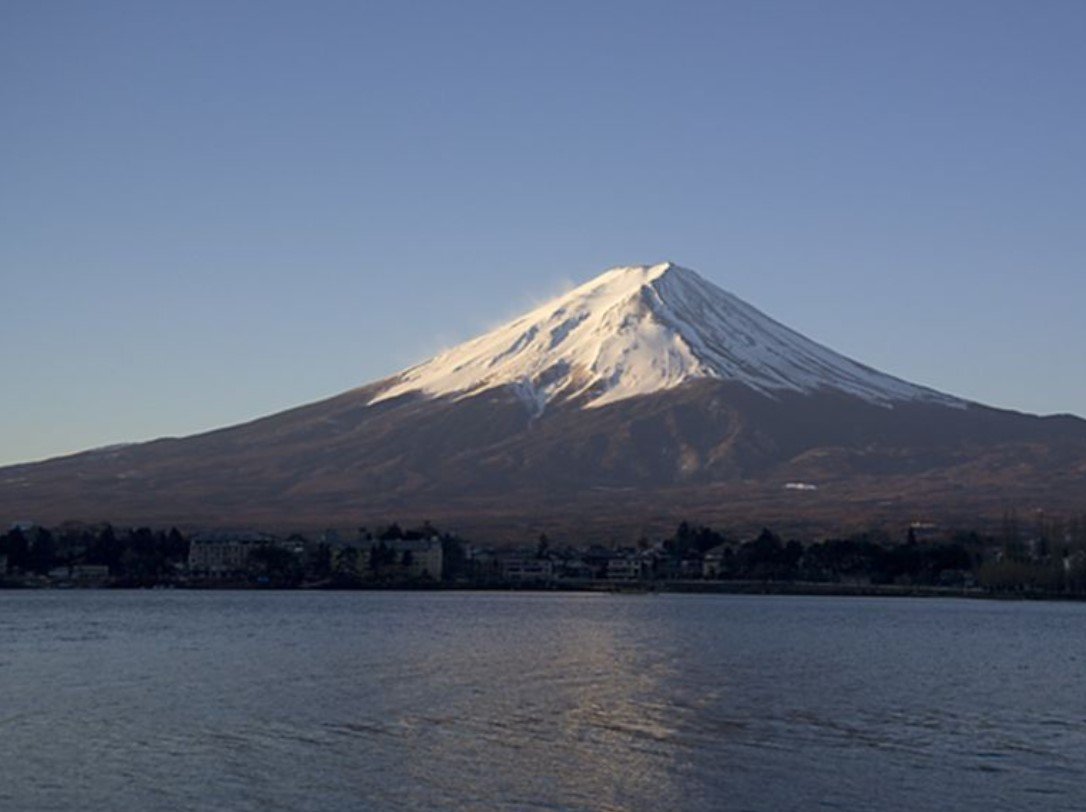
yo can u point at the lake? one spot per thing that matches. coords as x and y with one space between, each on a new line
168 700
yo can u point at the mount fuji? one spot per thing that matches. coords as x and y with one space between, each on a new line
641 330
642 397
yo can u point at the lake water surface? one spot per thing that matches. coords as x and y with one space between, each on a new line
171 700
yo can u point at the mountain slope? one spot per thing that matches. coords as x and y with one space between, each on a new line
643 397
643 329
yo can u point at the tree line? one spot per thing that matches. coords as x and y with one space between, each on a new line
1048 556
1042 556
138 554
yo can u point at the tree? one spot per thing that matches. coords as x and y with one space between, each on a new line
764 557
17 549
454 558
42 554
319 560
105 550
391 533
177 546
346 561
381 556
277 565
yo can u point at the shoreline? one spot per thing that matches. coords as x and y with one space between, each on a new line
692 587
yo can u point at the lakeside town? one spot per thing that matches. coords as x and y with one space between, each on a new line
1046 559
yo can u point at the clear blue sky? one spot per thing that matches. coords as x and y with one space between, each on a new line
210 211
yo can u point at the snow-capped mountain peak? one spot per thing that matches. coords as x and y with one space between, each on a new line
642 329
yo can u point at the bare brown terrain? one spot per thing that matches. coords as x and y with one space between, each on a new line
708 451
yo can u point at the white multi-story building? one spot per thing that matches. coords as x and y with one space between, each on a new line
626 568
220 554
421 558
411 558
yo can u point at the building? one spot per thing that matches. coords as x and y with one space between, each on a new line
420 558
574 569
523 569
626 568
218 555
712 566
407 558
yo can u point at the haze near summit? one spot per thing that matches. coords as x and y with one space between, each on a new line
213 211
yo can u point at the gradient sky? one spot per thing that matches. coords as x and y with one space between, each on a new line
210 211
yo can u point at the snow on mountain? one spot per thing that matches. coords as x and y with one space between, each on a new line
643 329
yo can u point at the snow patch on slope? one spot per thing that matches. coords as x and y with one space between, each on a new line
643 329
